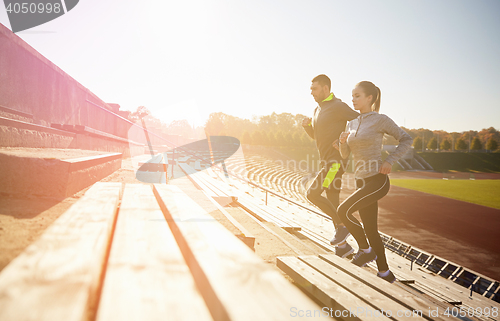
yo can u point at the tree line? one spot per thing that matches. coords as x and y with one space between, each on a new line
285 129
438 140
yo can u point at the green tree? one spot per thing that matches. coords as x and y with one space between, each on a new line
297 139
180 127
445 145
432 144
285 122
298 121
246 139
289 139
280 139
139 113
235 126
491 144
476 144
271 138
417 143
257 137
215 124
425 134
307 141
460 145
265 139
268 122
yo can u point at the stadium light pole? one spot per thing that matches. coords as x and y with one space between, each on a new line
469 141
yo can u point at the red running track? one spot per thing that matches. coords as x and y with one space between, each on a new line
464 233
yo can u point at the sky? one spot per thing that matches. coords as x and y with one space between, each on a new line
436 62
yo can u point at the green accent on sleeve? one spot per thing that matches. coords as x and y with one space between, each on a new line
329 97
330 176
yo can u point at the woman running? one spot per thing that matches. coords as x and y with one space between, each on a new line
363 137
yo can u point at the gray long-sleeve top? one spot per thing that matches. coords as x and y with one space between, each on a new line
365 142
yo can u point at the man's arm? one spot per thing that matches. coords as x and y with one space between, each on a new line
345 112
307 125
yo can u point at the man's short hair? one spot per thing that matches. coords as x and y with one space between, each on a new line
323 80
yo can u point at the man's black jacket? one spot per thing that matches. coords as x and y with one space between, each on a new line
329 121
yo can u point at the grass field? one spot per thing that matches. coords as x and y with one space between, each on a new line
483 192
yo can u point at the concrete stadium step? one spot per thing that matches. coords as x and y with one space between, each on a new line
17 133
15 114
54 173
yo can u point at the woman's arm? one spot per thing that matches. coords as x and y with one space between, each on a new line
344 148
405 140
341 143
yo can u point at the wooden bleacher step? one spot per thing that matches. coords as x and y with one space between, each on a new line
330 294
236 284
58 277
217 199
147 277
343 286
396 291
439 287
205 182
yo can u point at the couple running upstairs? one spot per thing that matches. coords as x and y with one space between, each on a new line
363 137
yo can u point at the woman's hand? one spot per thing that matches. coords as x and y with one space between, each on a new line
385 168
336 144
306 121
343 137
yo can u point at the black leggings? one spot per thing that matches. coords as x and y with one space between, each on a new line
365 200
329 204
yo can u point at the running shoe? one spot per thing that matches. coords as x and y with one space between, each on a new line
389 278
361 258
341 234
344 252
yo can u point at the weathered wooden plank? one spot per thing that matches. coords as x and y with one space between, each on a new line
245 236
235 283
249 204
191 174
398 294
330 294
204 181
361 290
442 287
214 196
59 276
147 277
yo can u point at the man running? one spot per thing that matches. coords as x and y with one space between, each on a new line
329 120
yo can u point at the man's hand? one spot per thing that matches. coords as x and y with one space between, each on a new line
306 121
385 168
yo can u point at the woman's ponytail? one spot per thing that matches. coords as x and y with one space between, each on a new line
370 89
376 104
